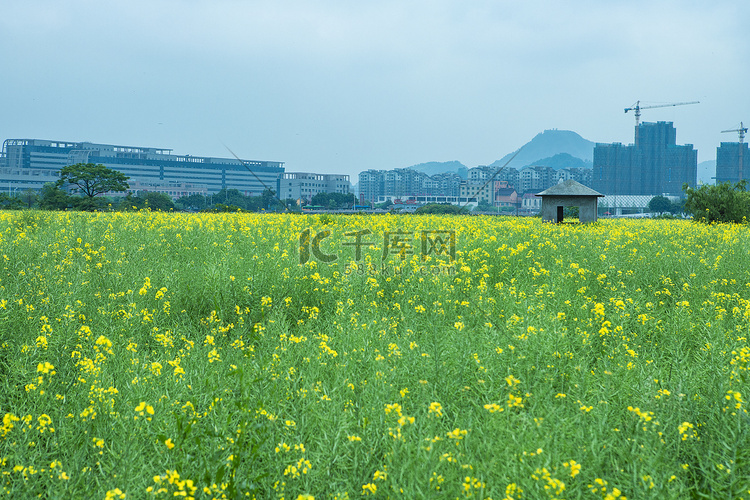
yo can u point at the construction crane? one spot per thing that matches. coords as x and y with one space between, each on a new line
637 108
741 131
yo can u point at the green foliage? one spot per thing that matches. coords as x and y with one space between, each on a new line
439 208
234 198
153 200
168 355
29 197
10 202
222 208
326 219
86 204
237 201
92 179
192 203
678 207
268 198
660 204
54 198
130 202
720 203
385 205
159 201
333 200
570 212
485 206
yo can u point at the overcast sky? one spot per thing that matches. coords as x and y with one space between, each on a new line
341 86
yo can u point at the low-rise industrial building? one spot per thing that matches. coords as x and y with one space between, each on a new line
305 185
30 163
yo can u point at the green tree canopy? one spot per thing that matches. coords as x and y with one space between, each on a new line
157 201
8 202
385 205
340 200
268 196
194 202
92 179
147 199
720 203
660 204
231 197
439 208
54 198
485 206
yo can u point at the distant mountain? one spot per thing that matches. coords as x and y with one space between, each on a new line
439 167
548 144
562 160
553 148
707 172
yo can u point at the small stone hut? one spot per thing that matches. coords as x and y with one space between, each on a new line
569 194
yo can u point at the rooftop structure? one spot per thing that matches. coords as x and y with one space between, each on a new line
505 195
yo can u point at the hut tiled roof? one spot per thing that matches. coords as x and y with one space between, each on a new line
569 188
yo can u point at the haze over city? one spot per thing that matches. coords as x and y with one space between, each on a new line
335 86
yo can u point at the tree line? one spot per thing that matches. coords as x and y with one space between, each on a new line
724 202
82 185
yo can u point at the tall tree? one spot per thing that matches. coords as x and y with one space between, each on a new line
92 179
660 204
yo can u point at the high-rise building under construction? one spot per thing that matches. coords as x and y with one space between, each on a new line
732 162
654 165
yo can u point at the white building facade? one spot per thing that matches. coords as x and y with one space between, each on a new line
305 185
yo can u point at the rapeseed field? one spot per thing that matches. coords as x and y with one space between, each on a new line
153 355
